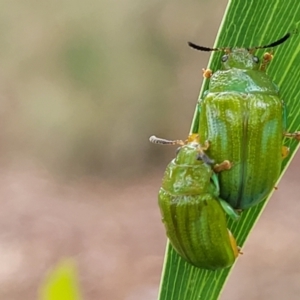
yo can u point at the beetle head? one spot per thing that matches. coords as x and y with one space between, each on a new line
239 58
192 153
187 155
188 152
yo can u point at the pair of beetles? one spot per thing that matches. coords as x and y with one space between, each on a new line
231 162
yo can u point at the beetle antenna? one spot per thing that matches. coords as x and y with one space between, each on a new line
155 140
273 44
202 48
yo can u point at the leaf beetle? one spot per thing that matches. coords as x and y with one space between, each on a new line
192 213
243 117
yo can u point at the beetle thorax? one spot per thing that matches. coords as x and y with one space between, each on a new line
240 58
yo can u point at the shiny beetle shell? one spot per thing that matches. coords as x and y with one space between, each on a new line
192 215
242 117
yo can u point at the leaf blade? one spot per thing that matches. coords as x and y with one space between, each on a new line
260 24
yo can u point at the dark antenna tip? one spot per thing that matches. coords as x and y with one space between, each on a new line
202 48
276 43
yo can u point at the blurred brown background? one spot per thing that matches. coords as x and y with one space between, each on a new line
83 84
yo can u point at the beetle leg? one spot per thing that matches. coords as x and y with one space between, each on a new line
207 73
232 213
294 135
285 152
268 56
206 145
236 249
225 165
202 156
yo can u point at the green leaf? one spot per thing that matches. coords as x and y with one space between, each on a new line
61 283
245 23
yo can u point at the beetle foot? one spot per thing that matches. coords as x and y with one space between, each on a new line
207 73
285 152
225 165
293 135
240 250
205 146
268 56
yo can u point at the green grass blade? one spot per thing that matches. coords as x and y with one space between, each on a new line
245 23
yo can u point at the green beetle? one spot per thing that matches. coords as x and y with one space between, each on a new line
194 219
242 116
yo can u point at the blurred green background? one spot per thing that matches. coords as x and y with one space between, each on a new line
83 84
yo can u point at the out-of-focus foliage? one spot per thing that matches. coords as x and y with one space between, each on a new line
61 283
85 83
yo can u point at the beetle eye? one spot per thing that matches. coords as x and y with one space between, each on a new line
224 58
255 59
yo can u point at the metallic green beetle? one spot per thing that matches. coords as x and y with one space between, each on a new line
242 116
194 219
